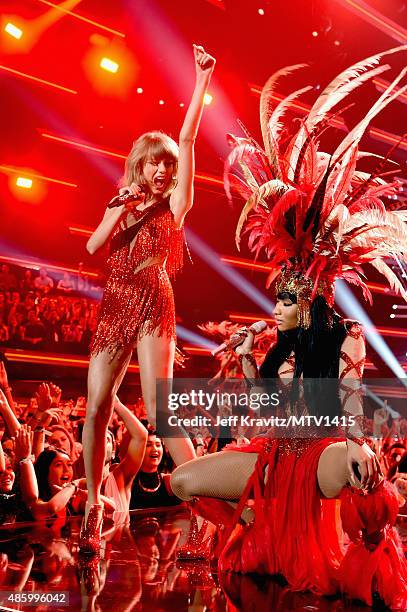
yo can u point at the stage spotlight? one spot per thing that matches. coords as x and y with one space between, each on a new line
109 65
394 306
23 182
181 104
261 11
208 99
314 33
140 90
337 43
13 30
161 102
392 316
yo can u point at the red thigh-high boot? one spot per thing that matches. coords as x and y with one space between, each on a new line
374 560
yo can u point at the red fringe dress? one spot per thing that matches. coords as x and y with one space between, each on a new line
139 300
298 533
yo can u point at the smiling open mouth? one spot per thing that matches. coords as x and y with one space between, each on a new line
159 182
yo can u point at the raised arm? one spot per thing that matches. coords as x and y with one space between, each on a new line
131 462
182 197
23 453
8 415
4 385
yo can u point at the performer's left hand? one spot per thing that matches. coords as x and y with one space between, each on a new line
367 463
204 63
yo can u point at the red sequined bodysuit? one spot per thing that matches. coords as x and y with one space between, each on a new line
146 249
297 532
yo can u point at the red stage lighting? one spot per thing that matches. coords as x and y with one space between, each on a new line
62 9
374 17
261 11
31 77
111 69
13 171
109 65
25 189
24 182
13 30
208 99
140 90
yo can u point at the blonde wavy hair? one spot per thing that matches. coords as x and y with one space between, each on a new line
151 145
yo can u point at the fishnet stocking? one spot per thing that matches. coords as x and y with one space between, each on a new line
222 475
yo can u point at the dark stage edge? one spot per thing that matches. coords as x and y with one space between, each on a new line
139 571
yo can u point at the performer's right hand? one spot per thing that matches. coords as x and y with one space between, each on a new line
247 346
137 191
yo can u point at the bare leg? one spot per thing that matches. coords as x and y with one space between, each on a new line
104 378
332 469
156 359
222 475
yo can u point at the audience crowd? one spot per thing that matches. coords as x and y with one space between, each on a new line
50 312
41 463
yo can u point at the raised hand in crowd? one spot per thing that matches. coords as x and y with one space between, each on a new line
5 387
23 440
44 397
56 393
10 419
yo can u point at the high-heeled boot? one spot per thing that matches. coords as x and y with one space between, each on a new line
197 547
90 535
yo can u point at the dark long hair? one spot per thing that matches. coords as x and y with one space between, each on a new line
316 349
41 468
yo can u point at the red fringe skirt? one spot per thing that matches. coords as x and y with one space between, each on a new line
299 534
134 309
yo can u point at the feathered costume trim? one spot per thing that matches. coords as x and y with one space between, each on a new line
313 214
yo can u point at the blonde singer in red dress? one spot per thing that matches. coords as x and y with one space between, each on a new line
137 311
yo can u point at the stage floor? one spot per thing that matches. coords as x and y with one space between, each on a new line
40 564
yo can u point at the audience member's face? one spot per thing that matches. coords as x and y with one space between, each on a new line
60 470
152 455
7 477
60 440
109 448
8 447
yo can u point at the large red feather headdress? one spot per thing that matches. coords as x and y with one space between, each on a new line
315 215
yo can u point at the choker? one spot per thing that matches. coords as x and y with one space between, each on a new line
150 478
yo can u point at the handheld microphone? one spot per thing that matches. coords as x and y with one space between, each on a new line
239 337
124 198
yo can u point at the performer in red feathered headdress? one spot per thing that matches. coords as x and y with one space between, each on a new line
317 218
